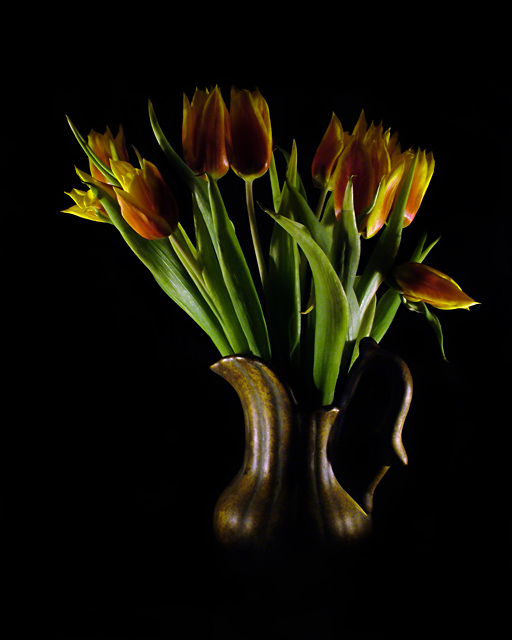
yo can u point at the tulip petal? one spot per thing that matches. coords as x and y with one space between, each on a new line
149 228
327 154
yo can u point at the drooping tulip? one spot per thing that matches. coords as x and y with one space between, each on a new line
251 134
420 283
206 133
147 204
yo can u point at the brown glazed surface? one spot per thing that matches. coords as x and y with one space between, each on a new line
300 475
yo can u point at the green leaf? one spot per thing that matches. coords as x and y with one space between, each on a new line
274 183
212 274
283 290
432 319
292 172
435 325
420 253
330 312
346 246
302 212
387 306
283 300
365 327
169 272
237 275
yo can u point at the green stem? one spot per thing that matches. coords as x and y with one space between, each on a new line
321 202
254 233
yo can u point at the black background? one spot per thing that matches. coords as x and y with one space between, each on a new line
117 438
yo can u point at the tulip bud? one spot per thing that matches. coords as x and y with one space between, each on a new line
354 162
205 133
419 283
420 181
327 154
106 147
388 188
147 204
251 134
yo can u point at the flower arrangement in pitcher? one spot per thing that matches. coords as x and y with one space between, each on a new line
312 300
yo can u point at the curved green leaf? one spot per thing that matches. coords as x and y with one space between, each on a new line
213 278
387 306
330 311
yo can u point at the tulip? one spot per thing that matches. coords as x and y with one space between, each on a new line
388 189
106 147
327 155
358 160
419 283
373 158
87 205
147 204
205 133
251 134
354 162
420 181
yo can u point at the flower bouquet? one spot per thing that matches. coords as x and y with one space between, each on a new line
311 307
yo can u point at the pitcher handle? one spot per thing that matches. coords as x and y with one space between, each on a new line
382 444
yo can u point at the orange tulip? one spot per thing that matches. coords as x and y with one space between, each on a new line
147 204
373 158
420 283
105 146
327 154
354 162
251 134
205 133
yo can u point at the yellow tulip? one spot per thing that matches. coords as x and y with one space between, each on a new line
86 206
